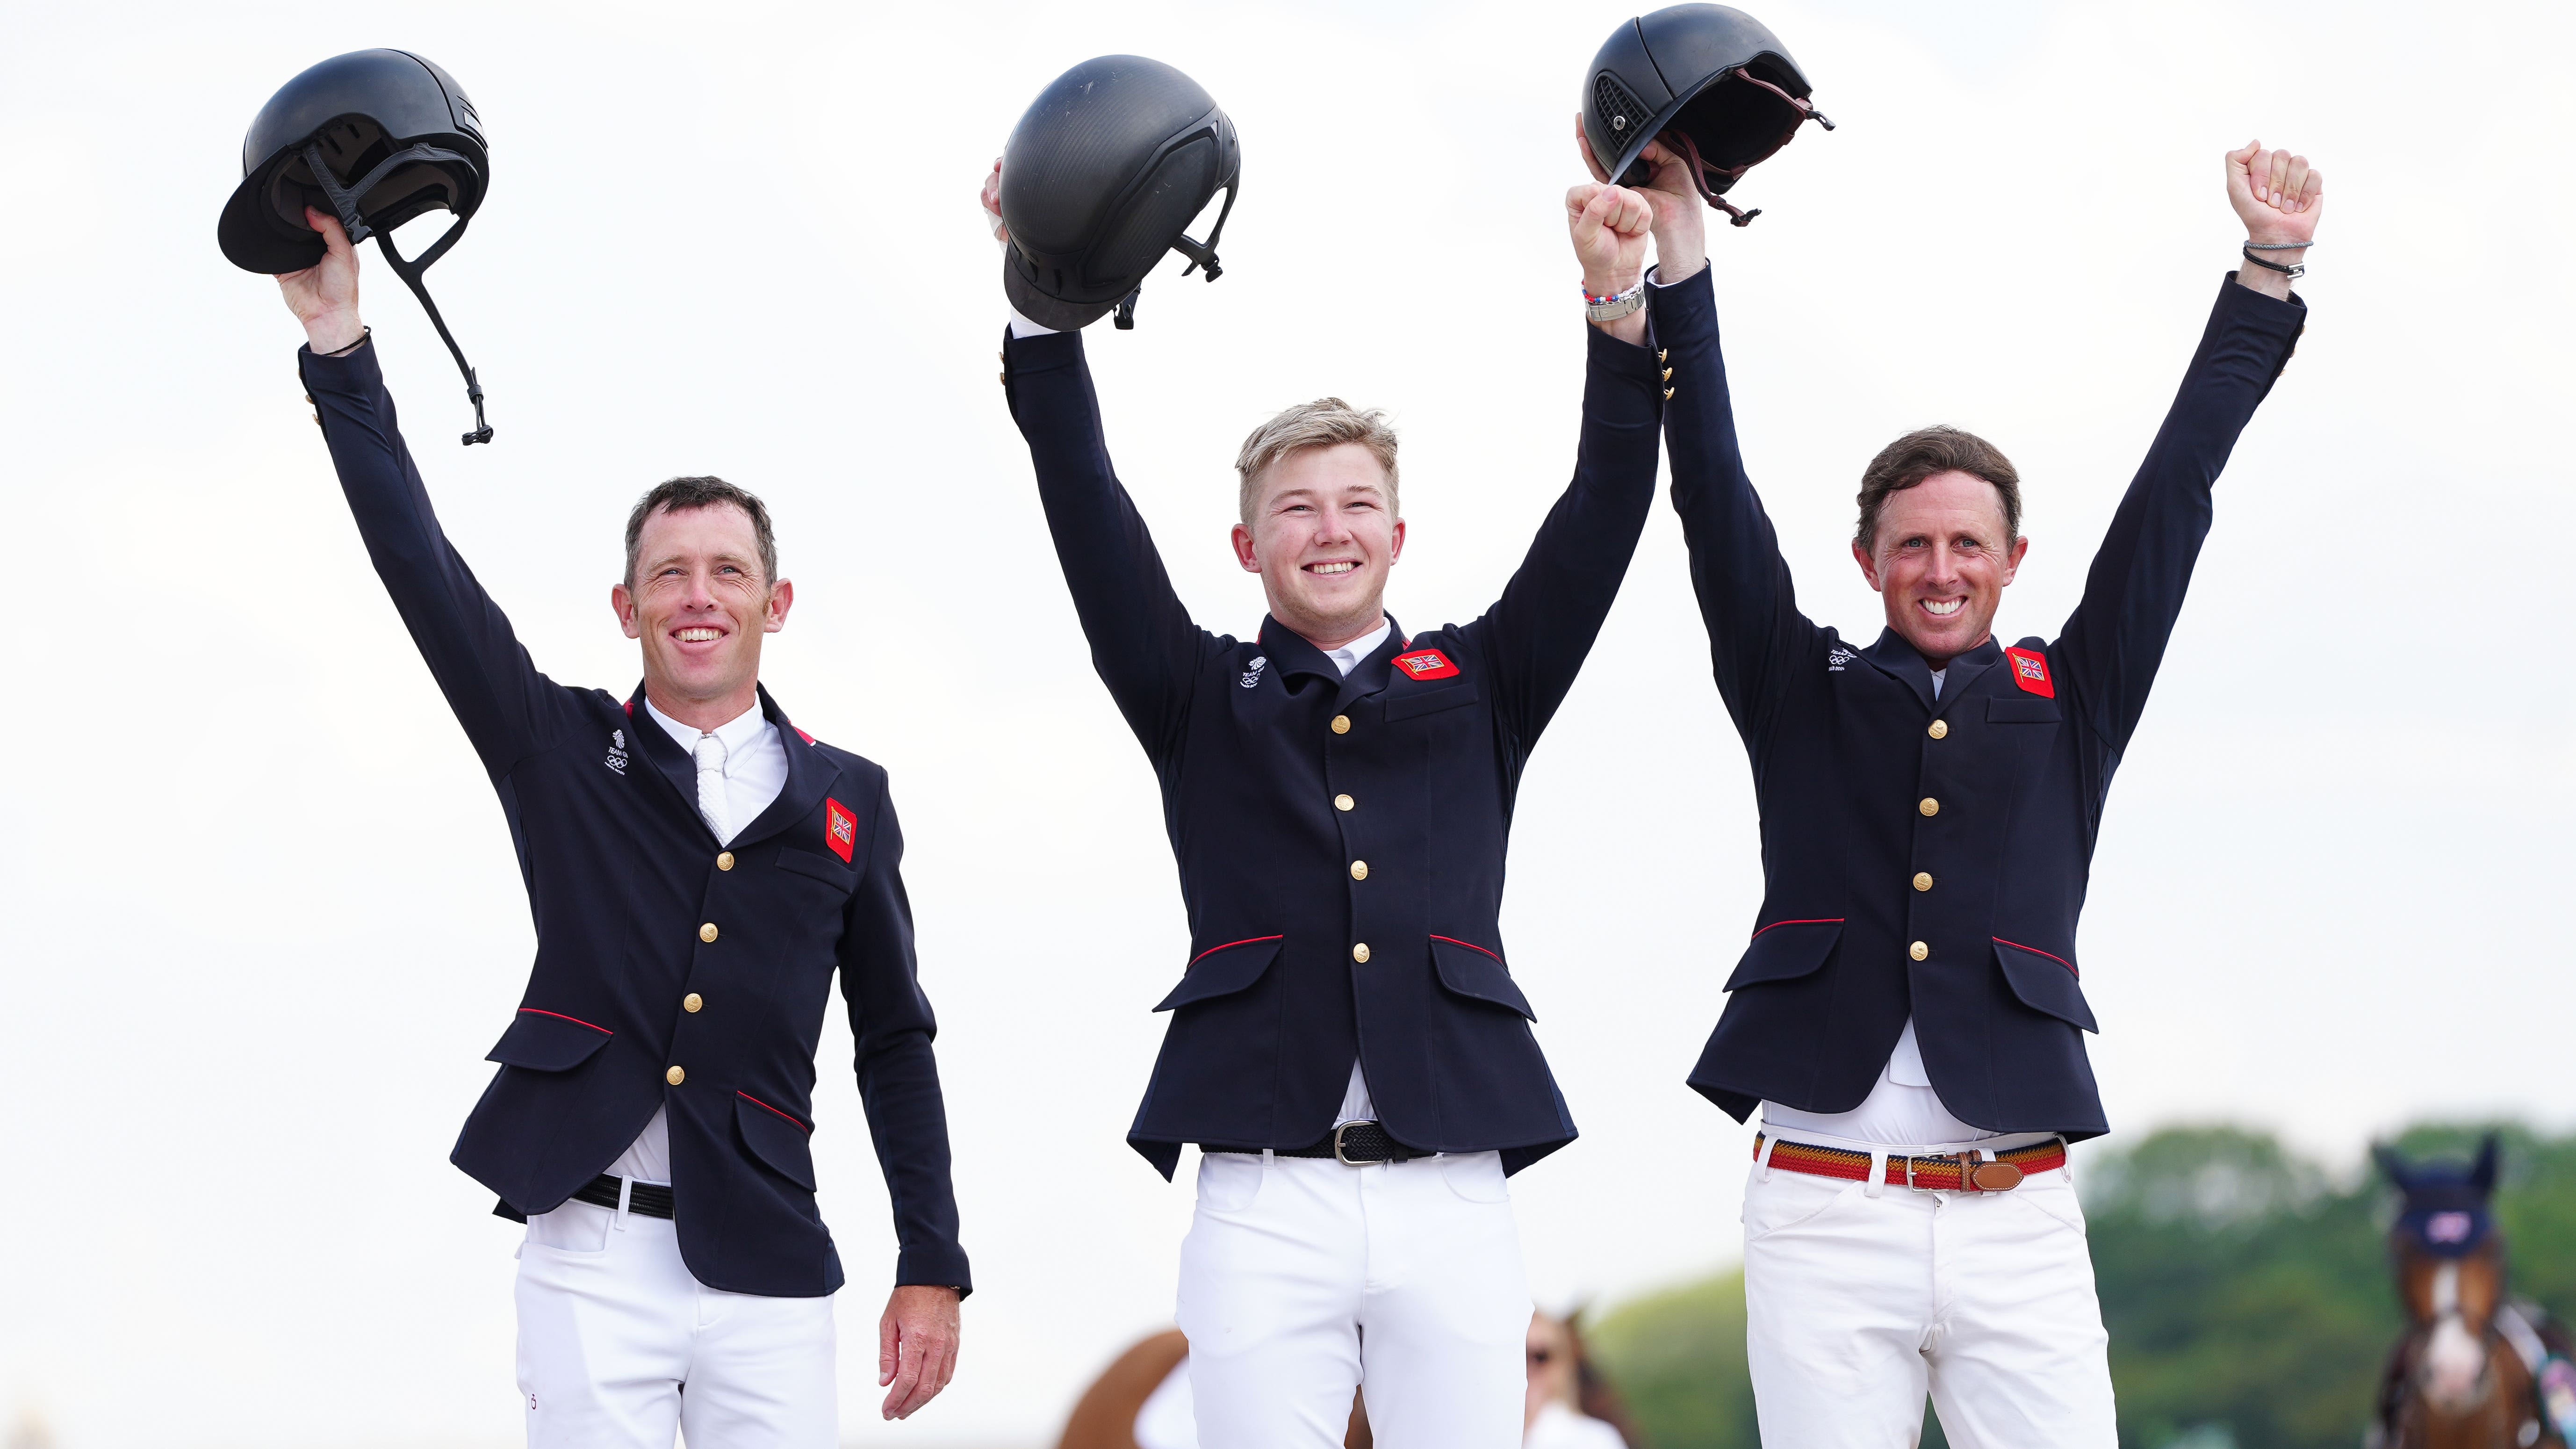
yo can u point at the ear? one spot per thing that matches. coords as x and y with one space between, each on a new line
1395 550
2483 1176
1243 553
773 616
2013 557
1868 566
2391 1164
624 603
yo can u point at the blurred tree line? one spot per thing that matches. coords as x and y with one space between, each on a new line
2246 1289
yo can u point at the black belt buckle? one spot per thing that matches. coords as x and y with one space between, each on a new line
1341 1149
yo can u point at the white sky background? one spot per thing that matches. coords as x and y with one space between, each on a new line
263 916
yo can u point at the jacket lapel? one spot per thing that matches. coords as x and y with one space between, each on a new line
810 773
1893 655
669 761
1294 656
1371 674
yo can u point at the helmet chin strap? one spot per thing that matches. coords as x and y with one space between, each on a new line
1701 171
344 200
1200 253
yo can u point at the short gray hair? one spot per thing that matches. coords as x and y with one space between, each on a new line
1324 423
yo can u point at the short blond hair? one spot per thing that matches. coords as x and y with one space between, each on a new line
1324 423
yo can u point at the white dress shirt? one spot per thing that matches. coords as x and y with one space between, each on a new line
1902 1110
751 760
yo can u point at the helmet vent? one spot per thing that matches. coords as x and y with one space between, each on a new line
1626 112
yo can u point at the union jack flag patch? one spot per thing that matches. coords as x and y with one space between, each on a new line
840 829
2030 671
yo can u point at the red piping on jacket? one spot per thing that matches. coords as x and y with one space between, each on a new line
1818 921
1470 945
2051 955
755 1101
575 1020
1230 945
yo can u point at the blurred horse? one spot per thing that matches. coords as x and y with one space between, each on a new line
2468 1373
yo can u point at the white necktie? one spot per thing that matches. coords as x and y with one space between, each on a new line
710 755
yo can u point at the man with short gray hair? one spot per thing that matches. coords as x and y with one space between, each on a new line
1348 1048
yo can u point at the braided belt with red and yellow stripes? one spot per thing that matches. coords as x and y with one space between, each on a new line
1962 1172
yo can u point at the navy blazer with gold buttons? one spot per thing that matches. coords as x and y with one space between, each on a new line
1930 856
670 972
1341 840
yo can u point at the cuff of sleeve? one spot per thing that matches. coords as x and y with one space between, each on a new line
2269 312
1686 311
943 1266
1625 359
1045 352
355 373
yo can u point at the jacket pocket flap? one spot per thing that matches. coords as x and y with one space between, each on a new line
2045 983
546 1041
776 1139
823 868
1474 972
1223 971
2020 710
1785 951
1405 703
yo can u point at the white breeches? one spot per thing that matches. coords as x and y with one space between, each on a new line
1302 1279
619 1345
1857 1304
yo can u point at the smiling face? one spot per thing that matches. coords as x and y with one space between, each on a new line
1323 534
1940 562
699 604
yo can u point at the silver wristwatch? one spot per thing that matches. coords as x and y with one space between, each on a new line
1616 307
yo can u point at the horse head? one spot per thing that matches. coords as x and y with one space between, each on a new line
2449 1260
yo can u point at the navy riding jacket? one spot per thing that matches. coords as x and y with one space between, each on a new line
1341 841
670 972
1930 856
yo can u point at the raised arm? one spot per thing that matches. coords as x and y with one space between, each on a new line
1537 634
892 1026
2115 640
488 679
1746 599
1143 644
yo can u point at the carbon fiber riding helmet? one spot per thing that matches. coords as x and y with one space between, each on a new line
376 138
1103 175
1712 81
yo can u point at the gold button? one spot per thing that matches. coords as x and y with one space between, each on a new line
1918 951
1341 724
1668 394
707 932
1929 806
1940 728
1923 880
1344 802
1662 352
1359 953
692 1001
724 860
675 1076
1668 374
1359 870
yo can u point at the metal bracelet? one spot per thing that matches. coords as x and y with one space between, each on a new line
1611 309
2255 246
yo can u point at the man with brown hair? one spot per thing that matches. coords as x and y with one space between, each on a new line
1907 1016
1348 1048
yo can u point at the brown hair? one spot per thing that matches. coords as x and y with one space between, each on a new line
679 495
1323 423
1926 451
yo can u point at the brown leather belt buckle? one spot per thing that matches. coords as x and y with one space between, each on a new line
1976 1176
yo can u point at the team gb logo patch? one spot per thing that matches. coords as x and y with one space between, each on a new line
2030 671
840 828
1426 664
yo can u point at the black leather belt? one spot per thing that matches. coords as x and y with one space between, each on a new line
1356 1144
647 1199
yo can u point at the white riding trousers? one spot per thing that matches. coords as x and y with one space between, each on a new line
1856 1304
1302 1279
619 1345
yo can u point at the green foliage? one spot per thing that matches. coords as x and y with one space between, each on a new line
2246 1290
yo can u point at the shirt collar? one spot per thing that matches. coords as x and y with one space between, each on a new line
1348 657
733 734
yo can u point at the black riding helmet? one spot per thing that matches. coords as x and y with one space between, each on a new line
1714 82
1101 176
376 138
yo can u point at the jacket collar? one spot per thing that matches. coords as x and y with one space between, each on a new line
1893 655
1293 654
809 772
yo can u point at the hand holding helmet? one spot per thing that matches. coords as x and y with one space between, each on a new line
324 296
1681 220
